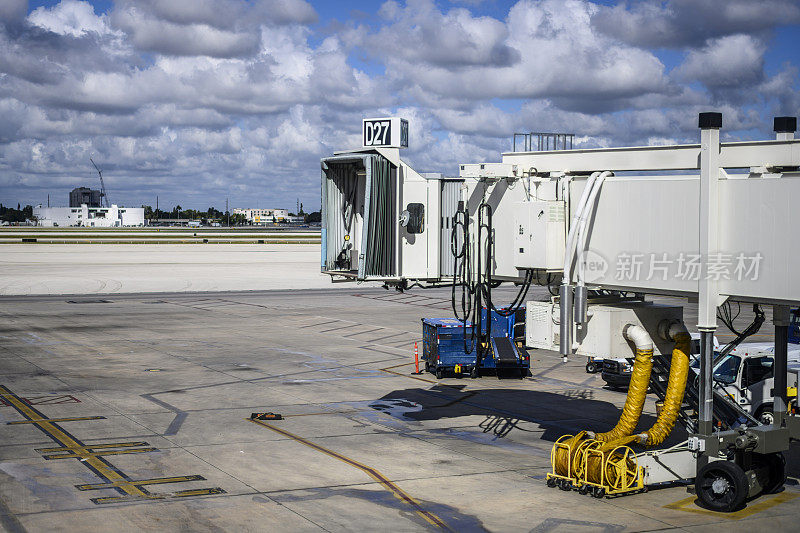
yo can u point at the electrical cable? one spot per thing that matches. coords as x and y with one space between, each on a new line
462 277
726 316
488 284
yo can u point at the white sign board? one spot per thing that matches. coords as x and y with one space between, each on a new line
385 132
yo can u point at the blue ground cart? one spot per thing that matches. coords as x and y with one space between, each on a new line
443 345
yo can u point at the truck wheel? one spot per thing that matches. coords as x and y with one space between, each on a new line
721 486
776 464
764 414
591 367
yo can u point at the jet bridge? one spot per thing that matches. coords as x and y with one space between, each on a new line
382 220
712 222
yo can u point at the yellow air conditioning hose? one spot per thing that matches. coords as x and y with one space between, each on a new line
637 390
605 459
678 373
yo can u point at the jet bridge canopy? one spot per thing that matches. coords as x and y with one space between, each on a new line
359 194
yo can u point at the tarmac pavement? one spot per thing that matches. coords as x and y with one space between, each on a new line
130 413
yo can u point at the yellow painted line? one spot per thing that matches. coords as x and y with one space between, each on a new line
91 447
389 370
399 493
179 494
60 436
323 413
117 499
152 481
71 419
762 505
197 492
83 455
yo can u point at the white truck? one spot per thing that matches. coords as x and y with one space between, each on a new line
746 376
746 373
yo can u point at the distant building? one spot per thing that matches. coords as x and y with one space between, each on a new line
263 216
89 217
84 195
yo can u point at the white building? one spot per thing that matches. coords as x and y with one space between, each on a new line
90 217
263 216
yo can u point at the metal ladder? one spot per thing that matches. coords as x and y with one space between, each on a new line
727 414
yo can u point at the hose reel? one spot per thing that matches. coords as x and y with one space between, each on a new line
603 464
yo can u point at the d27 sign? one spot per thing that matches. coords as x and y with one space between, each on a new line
385 132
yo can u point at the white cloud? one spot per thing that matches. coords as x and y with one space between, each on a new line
681 23
731 61
197 101
12 11
196 39
543 49
420 33
70 17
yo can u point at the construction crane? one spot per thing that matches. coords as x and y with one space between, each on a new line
103 197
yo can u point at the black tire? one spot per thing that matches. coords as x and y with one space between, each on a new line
591 367
551 482
776 463
474 373
439 372
598 492
721 486
764 414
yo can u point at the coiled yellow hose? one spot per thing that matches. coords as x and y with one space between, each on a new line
634 402
566 453
678 373
606 461
612 464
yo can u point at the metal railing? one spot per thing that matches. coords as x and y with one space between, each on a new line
542 142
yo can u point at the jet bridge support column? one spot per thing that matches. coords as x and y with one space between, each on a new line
708 289
780 317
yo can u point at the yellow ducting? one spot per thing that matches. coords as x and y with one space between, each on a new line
678 373
637 391
603 463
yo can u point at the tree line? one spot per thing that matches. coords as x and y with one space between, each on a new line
236 219
20 214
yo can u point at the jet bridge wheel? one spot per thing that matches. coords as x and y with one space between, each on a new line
776 464
721 486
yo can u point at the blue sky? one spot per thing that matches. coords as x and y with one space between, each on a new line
211 99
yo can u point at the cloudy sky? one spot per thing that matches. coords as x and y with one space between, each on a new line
201 100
